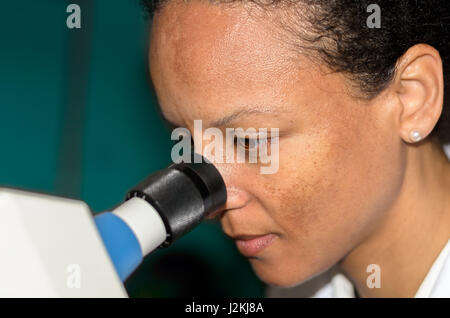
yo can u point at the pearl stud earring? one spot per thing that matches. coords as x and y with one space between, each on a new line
415 135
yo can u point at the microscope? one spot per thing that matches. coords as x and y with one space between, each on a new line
55 247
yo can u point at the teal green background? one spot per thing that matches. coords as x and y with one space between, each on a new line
119 133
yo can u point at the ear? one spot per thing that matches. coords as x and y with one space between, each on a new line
419 86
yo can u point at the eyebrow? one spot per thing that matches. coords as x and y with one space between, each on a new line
239 113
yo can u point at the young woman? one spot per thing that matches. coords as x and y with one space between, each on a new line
363 185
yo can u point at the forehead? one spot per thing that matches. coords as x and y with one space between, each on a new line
217 55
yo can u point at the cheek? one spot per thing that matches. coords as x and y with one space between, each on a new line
303 192
333 187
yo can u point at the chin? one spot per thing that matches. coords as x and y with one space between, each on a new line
278 275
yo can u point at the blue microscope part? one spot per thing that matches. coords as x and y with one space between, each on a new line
120 242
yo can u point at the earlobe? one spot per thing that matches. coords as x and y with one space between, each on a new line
419 86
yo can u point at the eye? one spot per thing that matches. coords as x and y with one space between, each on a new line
250 144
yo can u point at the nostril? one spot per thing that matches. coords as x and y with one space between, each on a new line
236 200
215 214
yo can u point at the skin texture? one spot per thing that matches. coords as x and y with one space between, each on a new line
351 189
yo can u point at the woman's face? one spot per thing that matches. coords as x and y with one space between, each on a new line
340 159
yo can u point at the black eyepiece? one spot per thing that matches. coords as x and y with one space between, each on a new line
183 194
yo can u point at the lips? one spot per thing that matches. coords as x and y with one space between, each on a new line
251 245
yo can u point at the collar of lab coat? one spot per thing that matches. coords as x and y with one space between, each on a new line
435 285
437 281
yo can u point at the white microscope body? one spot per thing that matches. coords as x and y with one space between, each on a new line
55 247
50 247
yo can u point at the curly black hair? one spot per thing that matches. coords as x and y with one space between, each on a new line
339 35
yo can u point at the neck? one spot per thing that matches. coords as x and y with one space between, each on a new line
416 229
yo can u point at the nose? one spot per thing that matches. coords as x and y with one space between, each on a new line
237 197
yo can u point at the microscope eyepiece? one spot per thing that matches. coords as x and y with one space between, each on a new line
183 194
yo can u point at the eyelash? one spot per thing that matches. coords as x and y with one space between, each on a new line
247 142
